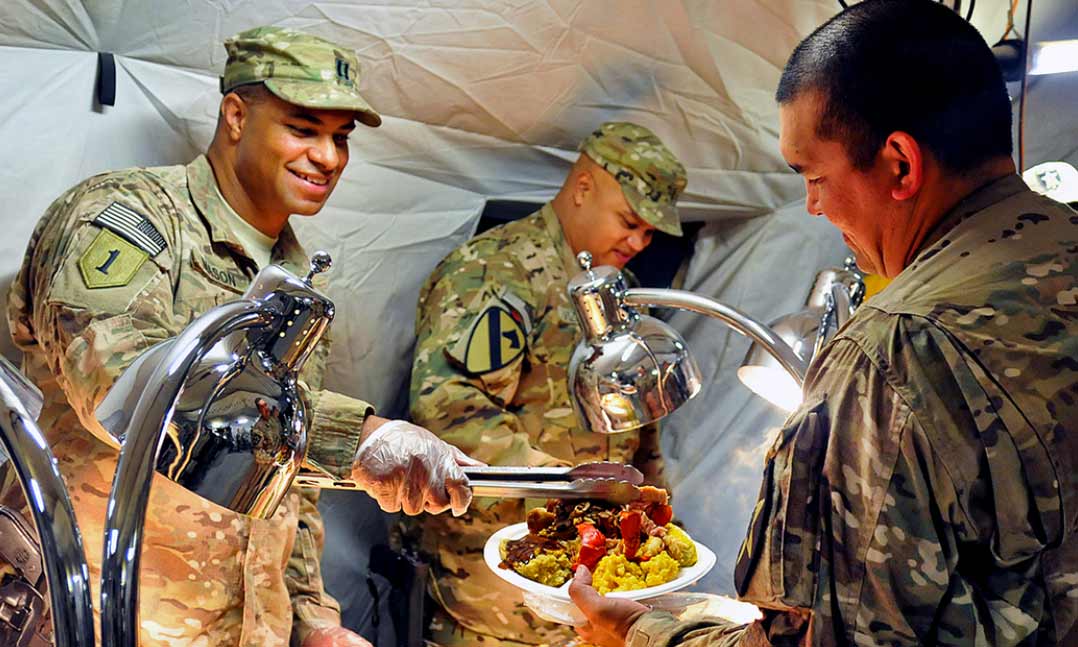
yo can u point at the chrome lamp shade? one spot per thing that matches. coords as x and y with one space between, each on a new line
835 295
633 376
765 377
631 369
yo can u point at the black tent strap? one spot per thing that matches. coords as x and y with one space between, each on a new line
106 79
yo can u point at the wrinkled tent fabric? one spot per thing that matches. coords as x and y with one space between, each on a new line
482 100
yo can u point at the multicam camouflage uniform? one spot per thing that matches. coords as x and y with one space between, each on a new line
496 331
925 493
86 303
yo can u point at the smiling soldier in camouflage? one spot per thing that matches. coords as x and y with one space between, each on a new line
127 259
495 333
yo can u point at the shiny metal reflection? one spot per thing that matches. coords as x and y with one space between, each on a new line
835 295
637 373
217 409
62 553
632 369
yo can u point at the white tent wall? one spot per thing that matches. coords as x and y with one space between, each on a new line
482 99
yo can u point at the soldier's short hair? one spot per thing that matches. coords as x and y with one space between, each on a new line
904 65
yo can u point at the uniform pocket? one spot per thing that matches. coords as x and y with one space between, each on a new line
779 560
796 551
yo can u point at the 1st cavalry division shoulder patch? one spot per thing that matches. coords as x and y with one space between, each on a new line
126 241
496 338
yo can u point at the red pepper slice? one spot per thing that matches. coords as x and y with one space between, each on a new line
592 546
630 532
662 514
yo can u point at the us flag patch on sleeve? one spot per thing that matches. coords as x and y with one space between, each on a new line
133 227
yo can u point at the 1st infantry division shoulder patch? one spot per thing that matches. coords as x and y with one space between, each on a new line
110 261
126 241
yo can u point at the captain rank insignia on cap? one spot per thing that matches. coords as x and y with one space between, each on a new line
497 337
126 241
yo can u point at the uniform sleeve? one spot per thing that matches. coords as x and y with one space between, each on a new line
660 629
91 329
850 539
468 410
336 419
333 438
312 607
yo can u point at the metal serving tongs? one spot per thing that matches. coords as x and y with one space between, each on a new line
612 482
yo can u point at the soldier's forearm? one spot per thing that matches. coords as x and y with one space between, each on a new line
337 424
660 629
371 423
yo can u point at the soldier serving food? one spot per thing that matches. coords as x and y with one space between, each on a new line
495 334
127 259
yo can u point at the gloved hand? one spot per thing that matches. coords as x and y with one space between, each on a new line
405 467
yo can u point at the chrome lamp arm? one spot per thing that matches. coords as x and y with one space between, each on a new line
739 321
632 369
61 544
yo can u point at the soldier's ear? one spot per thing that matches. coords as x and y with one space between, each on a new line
234 111
582 187
904 161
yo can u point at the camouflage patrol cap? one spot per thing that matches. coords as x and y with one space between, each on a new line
650 176
299 68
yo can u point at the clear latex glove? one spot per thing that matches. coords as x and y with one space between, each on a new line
405 467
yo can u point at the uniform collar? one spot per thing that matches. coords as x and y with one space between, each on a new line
557 236
217 214
983 197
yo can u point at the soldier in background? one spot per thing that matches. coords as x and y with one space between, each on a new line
925 492
495 334
127 259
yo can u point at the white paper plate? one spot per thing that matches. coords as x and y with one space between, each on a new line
553 603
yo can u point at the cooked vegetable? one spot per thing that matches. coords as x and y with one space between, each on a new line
630 532
662 514
592 546
552 569
539 519
679 546
652 547
626 547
